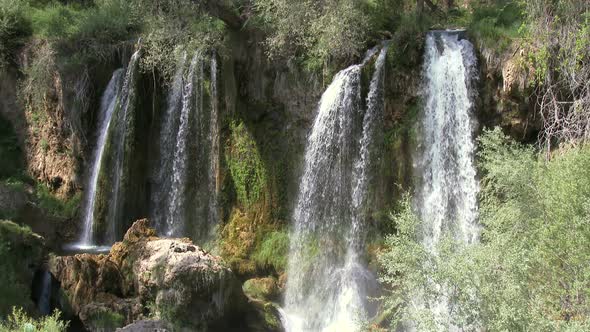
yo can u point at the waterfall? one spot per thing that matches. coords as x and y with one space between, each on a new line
109 169
329 285
446 195
184 198
107 105
44 301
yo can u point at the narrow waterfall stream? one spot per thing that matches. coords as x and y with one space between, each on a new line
104 188
329 285
184 198
107 106
446 195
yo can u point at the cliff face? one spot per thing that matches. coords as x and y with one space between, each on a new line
266 109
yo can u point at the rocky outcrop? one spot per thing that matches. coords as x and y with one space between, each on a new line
170 279
22 253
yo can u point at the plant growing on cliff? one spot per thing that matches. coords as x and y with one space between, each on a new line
14 28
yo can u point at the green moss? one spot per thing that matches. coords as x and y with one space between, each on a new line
246 167
55 206
107 320
273 250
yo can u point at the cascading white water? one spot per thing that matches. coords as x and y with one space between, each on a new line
117 103
329 285
184 204
446 196
192 100
107 106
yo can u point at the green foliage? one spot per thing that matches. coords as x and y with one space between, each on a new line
106 320
55 206
246 167
529 271
19 247
14 28
273 251
10 152
497 25
19 321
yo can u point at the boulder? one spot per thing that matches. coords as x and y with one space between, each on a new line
169 279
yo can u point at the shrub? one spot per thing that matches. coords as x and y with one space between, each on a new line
18 321
528 271
14 28
55 206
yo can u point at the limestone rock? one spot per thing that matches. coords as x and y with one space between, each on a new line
171 279
265 289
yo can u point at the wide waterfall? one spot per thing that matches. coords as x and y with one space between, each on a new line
104 187
446 195
184 198
329 286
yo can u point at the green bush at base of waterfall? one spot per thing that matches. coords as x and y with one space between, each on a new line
19 321
529 271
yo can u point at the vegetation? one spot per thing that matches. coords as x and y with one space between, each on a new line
528 272
273 251
19 247
10 152
107 320
19 321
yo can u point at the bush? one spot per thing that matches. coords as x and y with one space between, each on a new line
530 271
18 321
14 28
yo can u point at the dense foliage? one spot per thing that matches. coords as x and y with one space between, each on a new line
19 321
530 271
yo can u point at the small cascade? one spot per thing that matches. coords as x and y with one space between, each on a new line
446 195
184 200
107 106
44 300
110 166
329 286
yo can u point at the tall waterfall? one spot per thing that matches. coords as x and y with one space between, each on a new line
328 285
184 198
107 106
104 191
446 196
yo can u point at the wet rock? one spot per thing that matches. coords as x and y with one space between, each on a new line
145 274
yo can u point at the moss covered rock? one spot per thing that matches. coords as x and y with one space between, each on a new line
265 289
21 254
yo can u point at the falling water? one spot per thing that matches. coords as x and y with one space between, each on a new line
107 105
44 301
328 284
102 204
184 204
446 197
